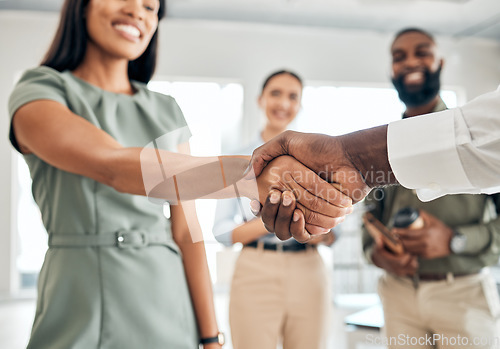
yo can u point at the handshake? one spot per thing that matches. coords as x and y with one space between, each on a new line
301 184
322 176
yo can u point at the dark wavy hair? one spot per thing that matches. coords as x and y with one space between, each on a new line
281 72
70 42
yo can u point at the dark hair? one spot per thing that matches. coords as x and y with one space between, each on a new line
413 30
70 42
280 72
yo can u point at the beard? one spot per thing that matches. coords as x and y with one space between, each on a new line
418 95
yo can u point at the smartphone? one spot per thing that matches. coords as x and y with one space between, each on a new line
379 231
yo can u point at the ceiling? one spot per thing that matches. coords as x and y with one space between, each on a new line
456 18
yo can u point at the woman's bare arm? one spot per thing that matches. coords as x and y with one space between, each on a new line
67 141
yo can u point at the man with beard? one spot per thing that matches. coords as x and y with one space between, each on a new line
438 292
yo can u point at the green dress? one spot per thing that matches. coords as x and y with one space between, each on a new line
95 289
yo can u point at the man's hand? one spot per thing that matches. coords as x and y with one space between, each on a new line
432 241
400 265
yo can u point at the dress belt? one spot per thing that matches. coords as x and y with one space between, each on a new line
120 239
293 247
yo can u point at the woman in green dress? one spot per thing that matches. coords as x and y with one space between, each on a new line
117 273
87 99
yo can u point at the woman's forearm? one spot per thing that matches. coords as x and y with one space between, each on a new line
195 267
248 232
173 176
68 142
200 286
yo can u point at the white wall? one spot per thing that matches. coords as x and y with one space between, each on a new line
234 51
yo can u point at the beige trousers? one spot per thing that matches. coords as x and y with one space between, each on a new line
460 312
279 296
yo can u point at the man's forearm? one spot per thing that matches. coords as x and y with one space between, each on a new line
367 150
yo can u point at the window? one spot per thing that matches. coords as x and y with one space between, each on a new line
213 112
337 110
32 236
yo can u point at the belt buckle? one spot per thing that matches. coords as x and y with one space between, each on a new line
129 239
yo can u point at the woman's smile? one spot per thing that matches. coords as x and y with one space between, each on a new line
128 31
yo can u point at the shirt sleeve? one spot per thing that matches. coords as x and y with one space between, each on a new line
183 131
483 239
41 83
174 121
35 84
449 152
224 222
229 214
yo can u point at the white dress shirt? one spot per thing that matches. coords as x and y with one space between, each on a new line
449 152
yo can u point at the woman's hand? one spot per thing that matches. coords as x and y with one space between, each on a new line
326 239
321 205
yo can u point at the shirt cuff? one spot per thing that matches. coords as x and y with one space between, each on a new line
423 155
478 238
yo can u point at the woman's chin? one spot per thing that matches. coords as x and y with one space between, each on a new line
280 123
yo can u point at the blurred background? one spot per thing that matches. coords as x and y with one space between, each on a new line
212 59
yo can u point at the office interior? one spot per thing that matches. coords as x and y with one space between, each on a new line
223 50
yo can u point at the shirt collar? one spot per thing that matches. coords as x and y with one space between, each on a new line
440 106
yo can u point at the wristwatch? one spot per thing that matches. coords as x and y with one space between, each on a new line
219 339
458 242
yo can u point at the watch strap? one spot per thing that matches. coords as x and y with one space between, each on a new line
216 339
209 340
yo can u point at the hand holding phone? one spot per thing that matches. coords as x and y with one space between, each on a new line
380 232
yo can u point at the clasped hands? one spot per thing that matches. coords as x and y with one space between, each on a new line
297 202
313 204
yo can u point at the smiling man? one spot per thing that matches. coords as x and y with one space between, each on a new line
439 287
416 70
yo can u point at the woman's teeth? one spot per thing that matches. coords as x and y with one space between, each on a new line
129 29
